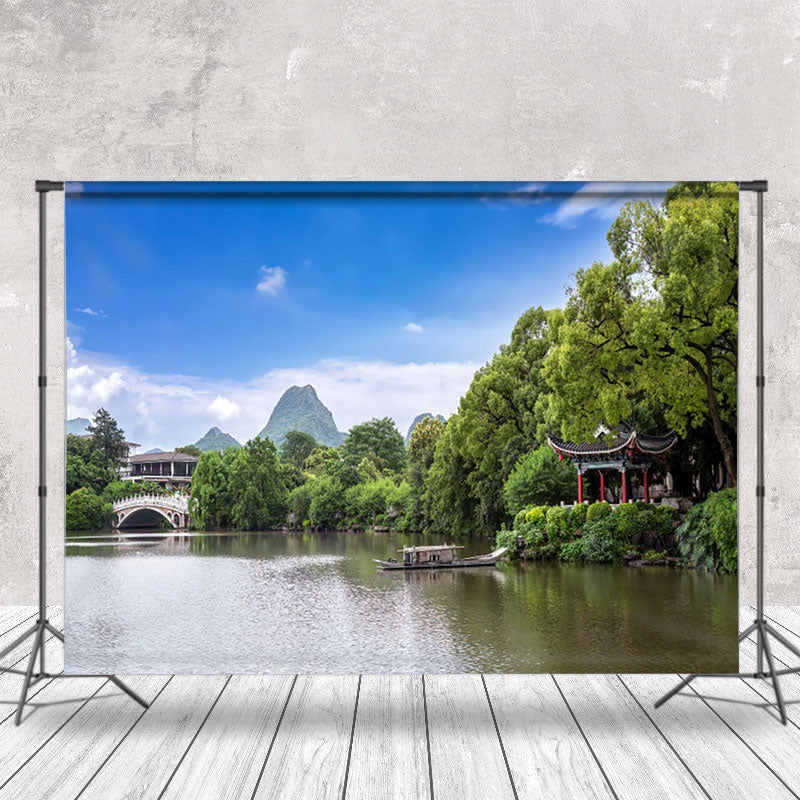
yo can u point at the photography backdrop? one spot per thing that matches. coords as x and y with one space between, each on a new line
558 91
306 420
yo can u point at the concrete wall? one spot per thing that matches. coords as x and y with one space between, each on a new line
422 89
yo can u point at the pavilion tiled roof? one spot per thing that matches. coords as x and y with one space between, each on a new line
626 438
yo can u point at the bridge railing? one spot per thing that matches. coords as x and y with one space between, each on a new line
162 500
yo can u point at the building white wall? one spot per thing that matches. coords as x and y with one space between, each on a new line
413 89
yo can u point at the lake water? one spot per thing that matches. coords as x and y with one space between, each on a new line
314 603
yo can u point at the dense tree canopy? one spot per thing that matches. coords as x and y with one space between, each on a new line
258 496
540 479
656 327
297 447
378 440
87 466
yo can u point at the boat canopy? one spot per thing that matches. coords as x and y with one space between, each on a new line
431 548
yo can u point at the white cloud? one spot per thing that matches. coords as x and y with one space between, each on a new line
91 312
104 389
412 327
72 353
169 410
602 201
224 409
273 279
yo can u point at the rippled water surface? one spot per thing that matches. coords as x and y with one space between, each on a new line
304 602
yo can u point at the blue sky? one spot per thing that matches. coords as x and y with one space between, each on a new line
211 290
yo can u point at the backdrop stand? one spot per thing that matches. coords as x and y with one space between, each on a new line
42 626
760 625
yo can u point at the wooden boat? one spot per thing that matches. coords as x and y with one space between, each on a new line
440 556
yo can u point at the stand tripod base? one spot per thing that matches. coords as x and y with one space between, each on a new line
763 630
38 632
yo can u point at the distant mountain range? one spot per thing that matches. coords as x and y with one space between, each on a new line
78 425
299 409
153 451
215 439
419 419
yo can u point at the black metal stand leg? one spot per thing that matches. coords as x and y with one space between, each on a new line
672 692
775 682
37 643
747 631
115 680
792 648
57 633
17 642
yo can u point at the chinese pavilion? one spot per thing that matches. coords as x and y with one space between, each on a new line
629 450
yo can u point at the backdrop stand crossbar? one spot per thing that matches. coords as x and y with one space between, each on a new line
760 626
42 628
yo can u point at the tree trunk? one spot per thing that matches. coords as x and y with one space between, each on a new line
728 457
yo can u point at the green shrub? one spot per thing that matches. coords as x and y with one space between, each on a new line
577 517
536 516
628 520
597 511
507 538
85 511
654 555
708 535
664 517
572 551
602 544
557 528
723 514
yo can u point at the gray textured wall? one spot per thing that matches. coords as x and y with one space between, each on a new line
208 89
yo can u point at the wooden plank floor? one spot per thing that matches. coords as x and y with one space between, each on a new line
408 737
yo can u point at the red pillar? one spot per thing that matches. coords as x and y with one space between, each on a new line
580 486
646 492
624 487
602 486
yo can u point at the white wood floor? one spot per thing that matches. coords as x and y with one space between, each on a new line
370 737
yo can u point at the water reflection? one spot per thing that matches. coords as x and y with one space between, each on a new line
306 602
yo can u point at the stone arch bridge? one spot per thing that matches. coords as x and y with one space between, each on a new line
173 508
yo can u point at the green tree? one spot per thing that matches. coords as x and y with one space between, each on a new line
323 460
108 438
189 450
85 511
86 466
446 501
259 497
300 502
421 448
211 498
328 506
656 327
378 439
501 417
297 447
539 478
